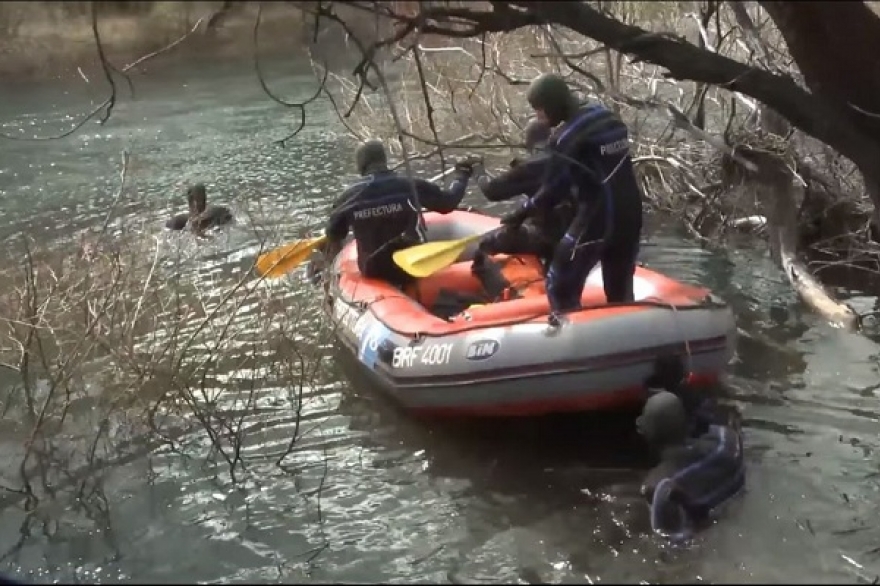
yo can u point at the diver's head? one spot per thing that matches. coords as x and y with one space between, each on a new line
197 198
551 99
370 157
663 421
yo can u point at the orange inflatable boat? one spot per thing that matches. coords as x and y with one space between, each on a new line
505 358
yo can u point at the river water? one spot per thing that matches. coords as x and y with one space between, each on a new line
378 496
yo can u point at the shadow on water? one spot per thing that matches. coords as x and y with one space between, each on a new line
375 494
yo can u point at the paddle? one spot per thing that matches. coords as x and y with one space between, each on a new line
423 260
278 262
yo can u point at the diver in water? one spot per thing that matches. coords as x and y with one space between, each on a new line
201 217
695 474
700 408
540 233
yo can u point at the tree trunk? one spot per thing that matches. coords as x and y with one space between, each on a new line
778 194
832 43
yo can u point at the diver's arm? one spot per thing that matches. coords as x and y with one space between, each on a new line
437 199
339 221
524 179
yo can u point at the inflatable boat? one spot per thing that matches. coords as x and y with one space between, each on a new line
506 358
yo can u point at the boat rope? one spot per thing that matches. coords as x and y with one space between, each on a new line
681 332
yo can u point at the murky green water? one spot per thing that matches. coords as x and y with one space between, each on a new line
377 496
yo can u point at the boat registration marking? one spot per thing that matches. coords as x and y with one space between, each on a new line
433 355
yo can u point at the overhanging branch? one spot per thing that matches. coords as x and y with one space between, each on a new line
808 112
685 61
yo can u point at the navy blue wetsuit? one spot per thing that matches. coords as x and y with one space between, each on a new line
694 478
591 154
539 234
384 216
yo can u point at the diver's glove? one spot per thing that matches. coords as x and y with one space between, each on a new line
466 166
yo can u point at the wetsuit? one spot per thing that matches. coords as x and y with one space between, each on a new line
693 478
384 216
591 153
540 233
211 217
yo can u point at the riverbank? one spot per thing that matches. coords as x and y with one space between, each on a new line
43 40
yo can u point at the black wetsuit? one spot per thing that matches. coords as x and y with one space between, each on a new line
211 217
694 478
540 233
591 153
384 216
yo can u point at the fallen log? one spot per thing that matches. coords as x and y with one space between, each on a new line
778 188
783 233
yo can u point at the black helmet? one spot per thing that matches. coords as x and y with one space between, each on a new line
663 420
550 93
537 134
370 155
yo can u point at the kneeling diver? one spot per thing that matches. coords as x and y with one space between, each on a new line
540 233
695 474
537 235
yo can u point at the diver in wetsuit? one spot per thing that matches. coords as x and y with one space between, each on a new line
590 152
201 216
540 233
695 474
384 215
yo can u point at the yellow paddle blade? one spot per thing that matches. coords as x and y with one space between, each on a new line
280 261
426 259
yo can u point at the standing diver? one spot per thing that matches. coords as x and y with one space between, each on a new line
590 152
695 475
384 215
201 216
540 233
